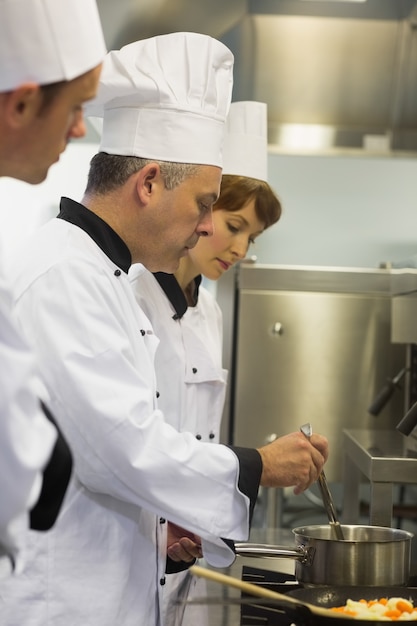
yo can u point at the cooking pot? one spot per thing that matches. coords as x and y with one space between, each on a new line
310 606
368 555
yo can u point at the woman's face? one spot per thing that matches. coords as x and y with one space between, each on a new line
234 231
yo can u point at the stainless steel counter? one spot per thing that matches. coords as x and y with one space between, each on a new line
382 458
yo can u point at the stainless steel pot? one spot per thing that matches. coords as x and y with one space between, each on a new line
368 555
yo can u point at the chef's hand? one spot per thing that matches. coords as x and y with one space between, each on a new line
182 545
293 460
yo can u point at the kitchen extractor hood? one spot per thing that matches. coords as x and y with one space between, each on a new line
125 21
335 74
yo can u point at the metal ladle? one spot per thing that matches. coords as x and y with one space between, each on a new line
335 526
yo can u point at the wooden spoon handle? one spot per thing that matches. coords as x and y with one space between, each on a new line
256 590
223 579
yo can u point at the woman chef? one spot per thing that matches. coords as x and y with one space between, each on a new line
37 48
164 102
186 317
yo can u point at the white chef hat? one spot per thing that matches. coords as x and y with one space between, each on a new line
166 98
48 41
245 150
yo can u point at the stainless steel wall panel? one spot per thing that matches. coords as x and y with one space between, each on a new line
318 356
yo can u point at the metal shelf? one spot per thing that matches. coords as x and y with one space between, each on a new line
381 456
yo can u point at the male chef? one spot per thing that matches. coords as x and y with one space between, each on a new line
50 58
149 197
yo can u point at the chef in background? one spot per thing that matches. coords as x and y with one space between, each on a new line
187 319
149 198
50 58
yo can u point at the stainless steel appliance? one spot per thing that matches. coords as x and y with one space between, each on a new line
404 330
308 344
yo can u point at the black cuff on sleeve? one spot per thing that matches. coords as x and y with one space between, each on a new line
250 474
56 477
229 543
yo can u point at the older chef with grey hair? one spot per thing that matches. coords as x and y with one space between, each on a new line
50 58
149 197
187 319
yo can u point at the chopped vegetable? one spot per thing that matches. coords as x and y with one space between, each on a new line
382 609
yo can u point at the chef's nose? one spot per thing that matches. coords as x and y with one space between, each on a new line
205 227
240 247
78 128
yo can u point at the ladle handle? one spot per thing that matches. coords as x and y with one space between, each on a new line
307 431
327 499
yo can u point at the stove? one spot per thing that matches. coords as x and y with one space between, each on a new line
260 613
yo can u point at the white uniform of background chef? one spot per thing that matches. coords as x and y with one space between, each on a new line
40 43
188 362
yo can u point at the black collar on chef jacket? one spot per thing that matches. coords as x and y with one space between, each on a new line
175 294
104 236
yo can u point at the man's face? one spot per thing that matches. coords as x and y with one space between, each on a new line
178 218
50 129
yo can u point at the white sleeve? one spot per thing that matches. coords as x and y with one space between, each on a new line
26 436
99 371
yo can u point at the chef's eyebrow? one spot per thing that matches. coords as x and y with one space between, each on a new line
245 221
209 197
238 216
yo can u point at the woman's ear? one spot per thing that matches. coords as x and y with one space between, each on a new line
22 104
148 181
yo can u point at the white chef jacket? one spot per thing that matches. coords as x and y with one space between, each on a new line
191 381
26 436
103 562
192 386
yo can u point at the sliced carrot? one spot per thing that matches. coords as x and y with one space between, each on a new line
383 601
404 606
392 613
344 610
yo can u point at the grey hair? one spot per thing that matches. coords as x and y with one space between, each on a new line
110 171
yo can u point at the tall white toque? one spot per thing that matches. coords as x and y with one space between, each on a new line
245 150
166 98
48 41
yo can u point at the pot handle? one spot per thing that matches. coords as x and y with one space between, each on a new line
264 550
